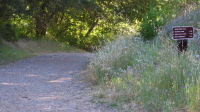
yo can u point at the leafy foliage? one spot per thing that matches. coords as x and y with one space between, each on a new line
84 23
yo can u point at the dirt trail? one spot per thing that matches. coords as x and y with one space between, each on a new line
47 83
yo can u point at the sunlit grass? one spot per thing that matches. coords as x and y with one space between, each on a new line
149 73
25 48
45 46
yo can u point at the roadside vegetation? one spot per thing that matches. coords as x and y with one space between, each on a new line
150 75
25 48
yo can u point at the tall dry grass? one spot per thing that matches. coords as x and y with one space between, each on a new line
151 74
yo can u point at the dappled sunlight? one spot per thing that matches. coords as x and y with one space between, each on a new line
8 84
13 84
32 75
44 83
51 97
59 80
53 74
70 72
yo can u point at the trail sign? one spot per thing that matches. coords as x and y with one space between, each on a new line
182 32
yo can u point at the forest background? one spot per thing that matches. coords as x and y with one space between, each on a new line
86 24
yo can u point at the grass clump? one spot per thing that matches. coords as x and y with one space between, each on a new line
151 74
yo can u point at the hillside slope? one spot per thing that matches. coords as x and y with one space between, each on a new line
151 74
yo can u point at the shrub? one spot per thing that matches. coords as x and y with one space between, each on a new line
150 24
9 32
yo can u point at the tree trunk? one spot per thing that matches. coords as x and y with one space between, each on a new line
41 20
91 28
41 28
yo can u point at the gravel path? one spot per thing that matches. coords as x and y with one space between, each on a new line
47 83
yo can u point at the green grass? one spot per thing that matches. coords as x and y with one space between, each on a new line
151 74
9 54
25 48
45 46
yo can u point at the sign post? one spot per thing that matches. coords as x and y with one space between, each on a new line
182 34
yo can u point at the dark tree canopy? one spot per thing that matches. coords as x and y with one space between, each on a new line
82 23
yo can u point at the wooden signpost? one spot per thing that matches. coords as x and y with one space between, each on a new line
182 34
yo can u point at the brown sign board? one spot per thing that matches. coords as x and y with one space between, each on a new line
182 32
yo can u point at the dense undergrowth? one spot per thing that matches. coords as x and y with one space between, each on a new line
152 74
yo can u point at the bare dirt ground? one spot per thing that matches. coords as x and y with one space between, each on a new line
47 83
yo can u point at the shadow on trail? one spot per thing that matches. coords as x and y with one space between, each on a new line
45 83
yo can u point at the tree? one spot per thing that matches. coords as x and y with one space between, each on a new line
43 11
82 22
128 9
8 9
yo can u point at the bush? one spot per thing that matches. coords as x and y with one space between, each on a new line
148 30
149 25
9 32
